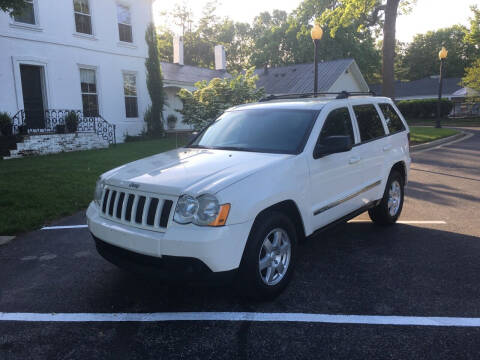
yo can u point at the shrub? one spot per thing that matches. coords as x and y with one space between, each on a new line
71 122
424 108
5 124
171 121
154 128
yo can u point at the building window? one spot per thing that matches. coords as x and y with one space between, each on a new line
88 80
83 17
130 91
27 15
124 23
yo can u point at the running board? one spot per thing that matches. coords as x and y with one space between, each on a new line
346 218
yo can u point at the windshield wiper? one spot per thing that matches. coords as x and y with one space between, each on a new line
198 147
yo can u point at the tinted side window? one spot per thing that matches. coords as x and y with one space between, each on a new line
338 122
392 119
369 122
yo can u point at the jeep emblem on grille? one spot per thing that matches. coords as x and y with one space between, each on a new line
134 185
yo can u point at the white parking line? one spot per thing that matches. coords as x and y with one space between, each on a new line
243 316
64 227
438 222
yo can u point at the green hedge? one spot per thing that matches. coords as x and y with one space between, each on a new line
423 109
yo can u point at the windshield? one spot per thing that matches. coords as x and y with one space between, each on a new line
267 130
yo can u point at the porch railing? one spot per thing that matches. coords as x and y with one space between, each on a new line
54 117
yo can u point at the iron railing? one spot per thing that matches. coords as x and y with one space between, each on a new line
54 117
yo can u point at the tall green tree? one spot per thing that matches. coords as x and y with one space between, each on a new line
472 76
12 6
282 39
200 37
154 83
472 36
165 44
367 13
421 55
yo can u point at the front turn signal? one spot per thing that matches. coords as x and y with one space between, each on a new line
222 216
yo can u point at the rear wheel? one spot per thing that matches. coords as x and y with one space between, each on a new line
390 207
269 256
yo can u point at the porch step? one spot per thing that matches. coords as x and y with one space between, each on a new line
55 143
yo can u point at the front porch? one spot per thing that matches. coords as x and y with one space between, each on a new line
45 132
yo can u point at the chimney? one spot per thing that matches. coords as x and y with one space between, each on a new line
178 50
220 58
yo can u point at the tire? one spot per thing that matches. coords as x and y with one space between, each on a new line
382 214
277 265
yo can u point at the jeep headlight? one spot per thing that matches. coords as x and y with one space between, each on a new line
203 211
97 195
186 209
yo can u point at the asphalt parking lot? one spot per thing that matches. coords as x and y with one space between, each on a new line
427 266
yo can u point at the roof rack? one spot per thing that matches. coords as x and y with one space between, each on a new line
338 95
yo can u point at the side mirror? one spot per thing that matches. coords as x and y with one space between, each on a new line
332 145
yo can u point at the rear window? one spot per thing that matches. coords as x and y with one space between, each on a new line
369 122
394 123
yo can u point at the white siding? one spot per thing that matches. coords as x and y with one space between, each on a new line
55 45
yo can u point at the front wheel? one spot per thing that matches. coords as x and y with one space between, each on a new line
390 207
269 256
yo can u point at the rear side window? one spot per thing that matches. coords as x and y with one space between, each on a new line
338 122
392 119
369 122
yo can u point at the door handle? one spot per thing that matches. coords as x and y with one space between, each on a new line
354 160
387 147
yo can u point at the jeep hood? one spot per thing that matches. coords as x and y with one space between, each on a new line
191 171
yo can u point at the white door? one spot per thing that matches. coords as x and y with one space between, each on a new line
374 144
335 178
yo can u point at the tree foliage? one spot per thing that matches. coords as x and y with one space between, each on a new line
365 14
153 116
274 39
472 36
200 37
472 76
421 55
211 99
282 39
12 6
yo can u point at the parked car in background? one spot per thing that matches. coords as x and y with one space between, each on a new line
237 200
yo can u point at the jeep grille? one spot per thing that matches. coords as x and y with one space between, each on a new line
137 209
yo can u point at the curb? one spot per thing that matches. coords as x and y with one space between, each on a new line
438 142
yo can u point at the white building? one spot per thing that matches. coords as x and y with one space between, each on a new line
86 55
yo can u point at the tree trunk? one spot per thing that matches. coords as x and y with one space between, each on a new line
389 48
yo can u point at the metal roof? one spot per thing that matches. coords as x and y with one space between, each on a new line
298 78
421 88
189 74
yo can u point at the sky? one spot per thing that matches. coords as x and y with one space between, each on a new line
427 14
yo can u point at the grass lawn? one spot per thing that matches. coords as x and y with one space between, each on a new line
35 190
420 135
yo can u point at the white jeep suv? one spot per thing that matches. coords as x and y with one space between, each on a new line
240 196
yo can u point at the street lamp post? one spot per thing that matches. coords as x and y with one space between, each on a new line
317 34
442 55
